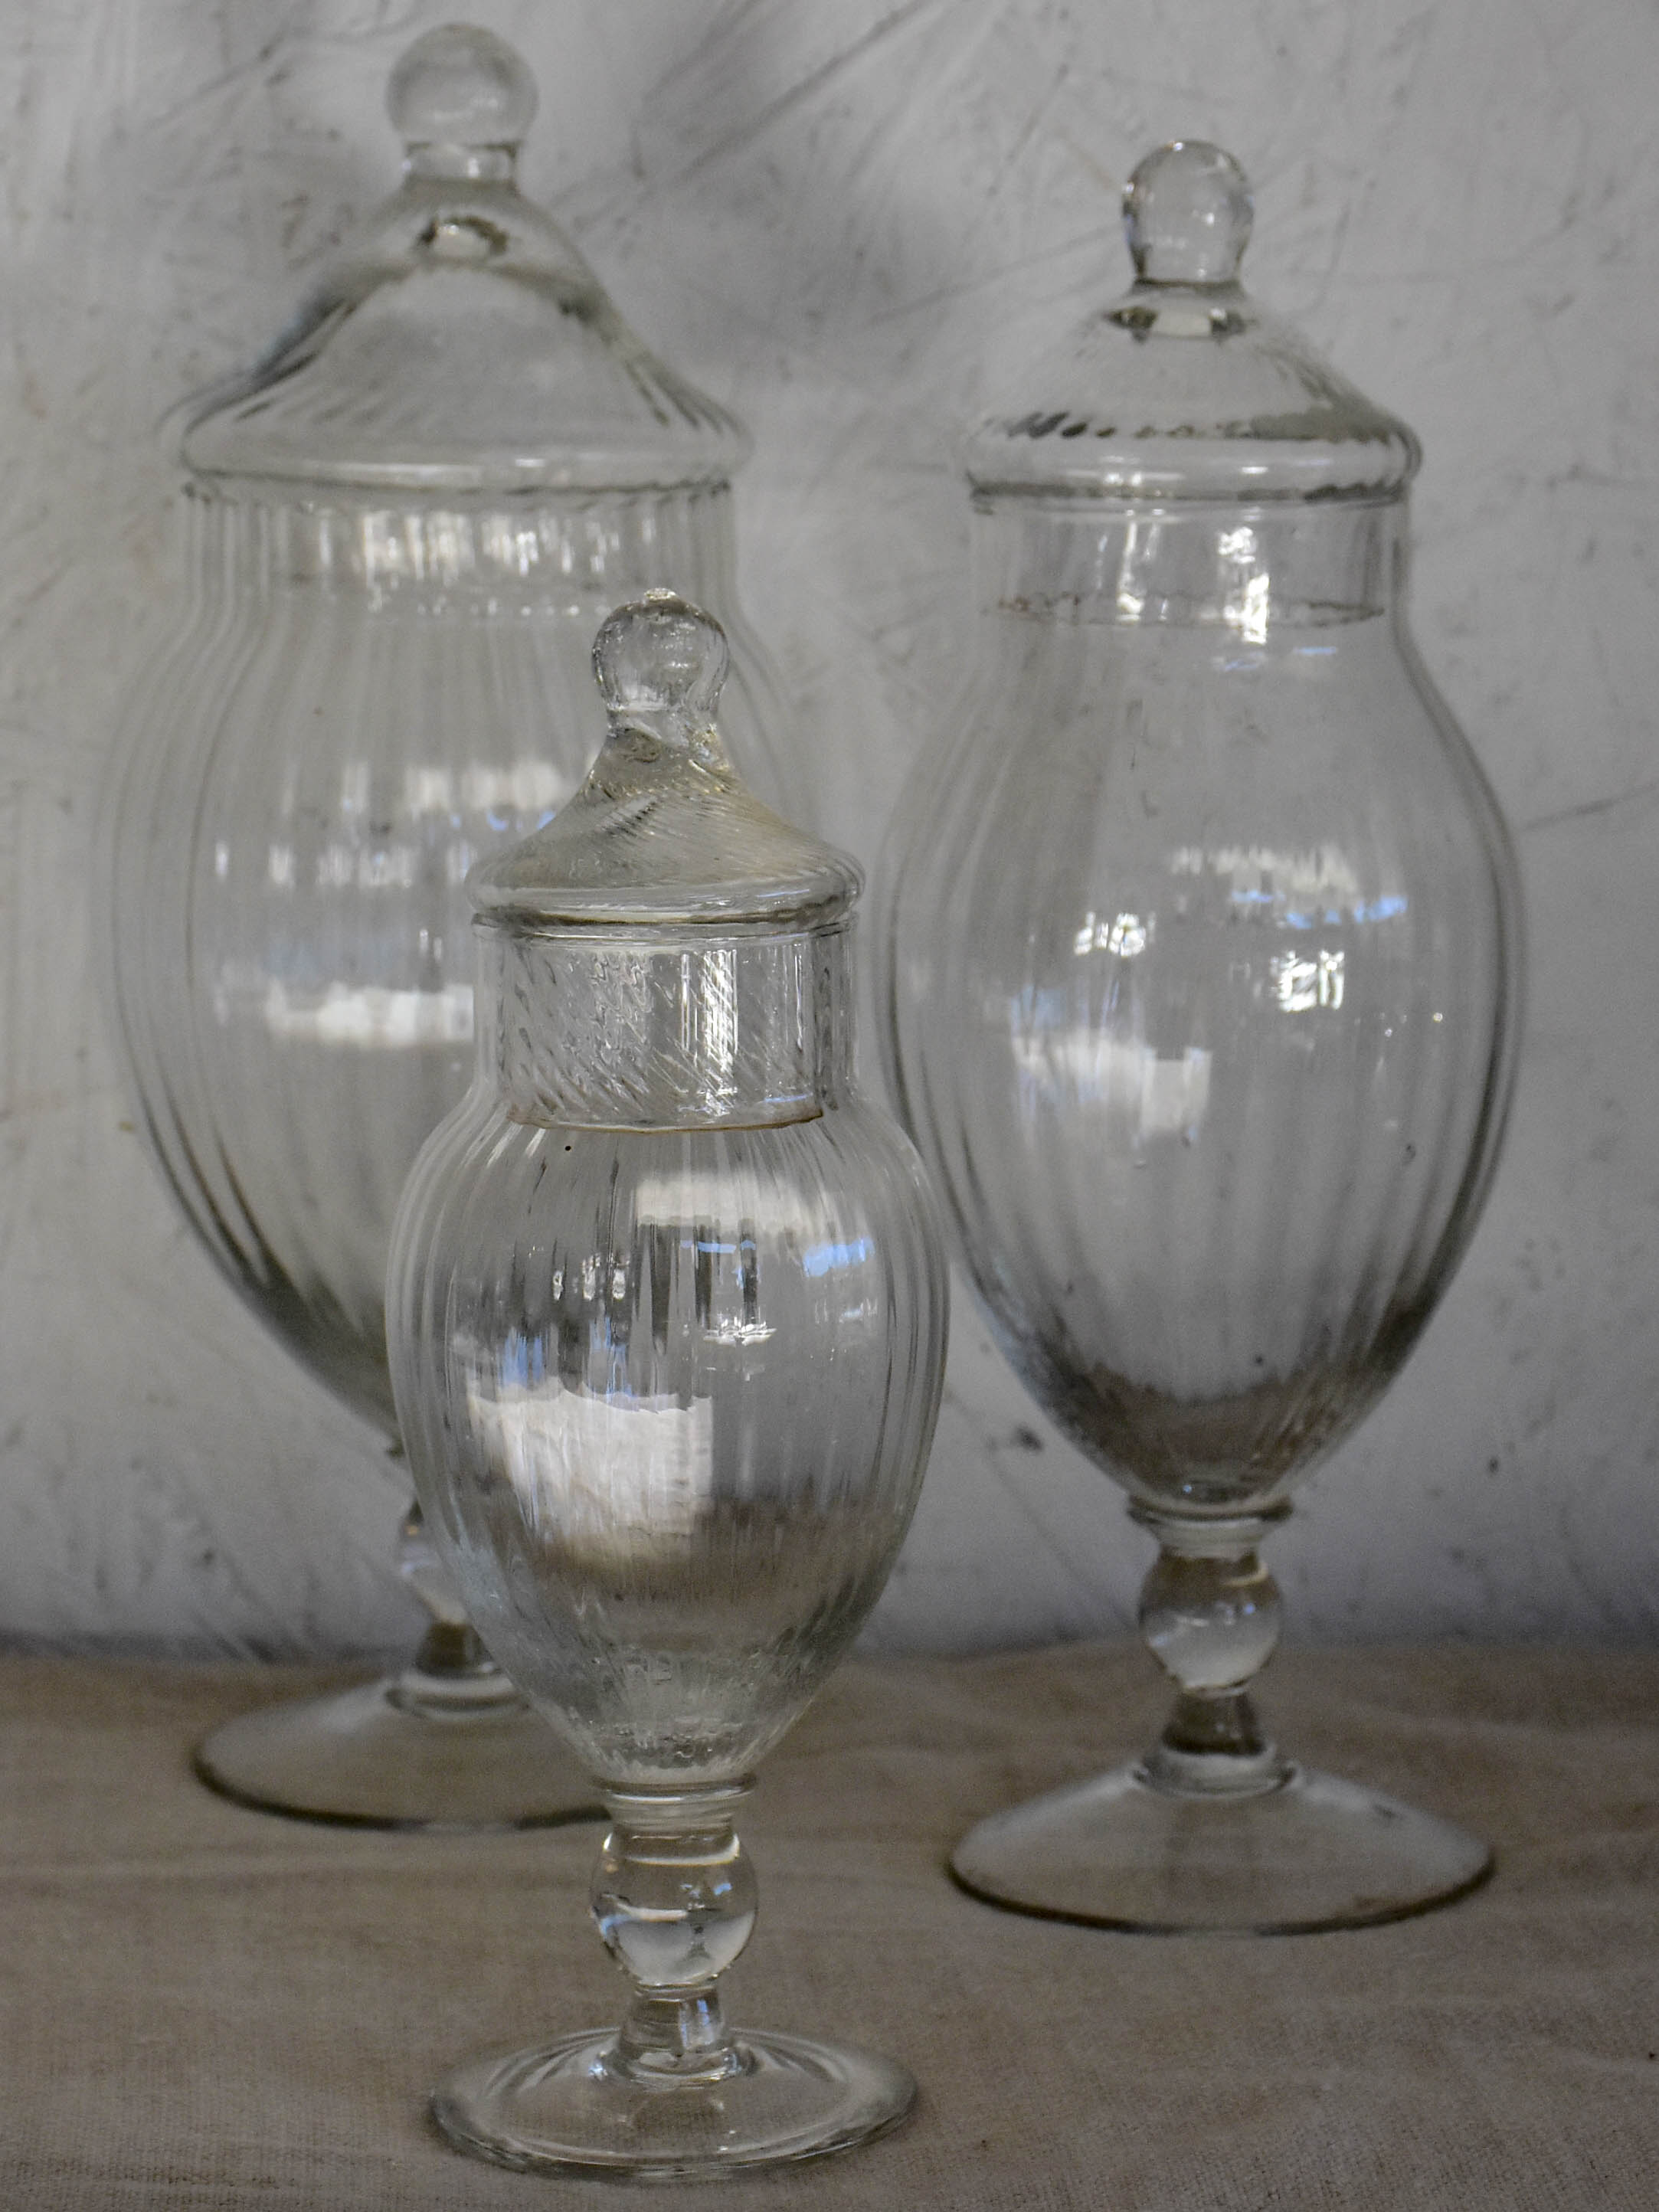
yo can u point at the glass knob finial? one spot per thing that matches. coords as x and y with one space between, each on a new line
659 655
1187 213
462 86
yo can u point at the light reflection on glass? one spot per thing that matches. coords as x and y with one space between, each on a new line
1157 1095
708 1018
1126 935
1322 881
371 1018
1301 985
1248 613
596 1474
389 867
1323 871
1139 548
1245 606
823 1257
528 787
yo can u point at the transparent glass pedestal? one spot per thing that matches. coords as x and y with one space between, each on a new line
1214 1831
447 1743
673 2094
422 1749
571 2107
1308 1851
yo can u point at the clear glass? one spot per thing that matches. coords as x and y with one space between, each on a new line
667 1307
405 524
1202 1003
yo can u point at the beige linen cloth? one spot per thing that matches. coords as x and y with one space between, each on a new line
208 2009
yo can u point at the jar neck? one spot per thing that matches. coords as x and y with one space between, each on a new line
1295 564
572 554
437 162
663 1030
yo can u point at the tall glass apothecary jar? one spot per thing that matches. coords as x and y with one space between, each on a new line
407 521
1202 1005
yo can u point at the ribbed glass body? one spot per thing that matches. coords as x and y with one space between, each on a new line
1203 989
667 1314
363 700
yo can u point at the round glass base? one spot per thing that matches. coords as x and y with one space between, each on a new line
384 1756
1304 1852
567 2107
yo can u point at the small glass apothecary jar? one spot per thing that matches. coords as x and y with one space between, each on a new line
667 1314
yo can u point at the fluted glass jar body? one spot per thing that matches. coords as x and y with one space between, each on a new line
668 1389
363 700
1204 979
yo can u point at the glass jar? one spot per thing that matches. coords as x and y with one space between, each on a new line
407 521
667 1312
1203 999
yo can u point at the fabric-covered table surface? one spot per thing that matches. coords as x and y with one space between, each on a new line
208 2009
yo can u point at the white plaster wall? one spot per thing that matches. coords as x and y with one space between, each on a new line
848 217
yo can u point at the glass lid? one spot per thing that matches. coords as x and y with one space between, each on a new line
1184 388
664 831
458 343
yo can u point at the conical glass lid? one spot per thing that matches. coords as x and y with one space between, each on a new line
1184 388
459 344
664 830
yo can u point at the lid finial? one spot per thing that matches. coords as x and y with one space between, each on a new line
457 343
461 100
1185 387
661 661
1187 213
664 832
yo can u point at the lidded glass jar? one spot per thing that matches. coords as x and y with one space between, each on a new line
666 1305
1202 1005
407 521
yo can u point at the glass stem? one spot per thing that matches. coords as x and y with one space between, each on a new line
674 1902
1210 1612
449 1648
452 1676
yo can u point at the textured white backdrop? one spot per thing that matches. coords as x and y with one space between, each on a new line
848 217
